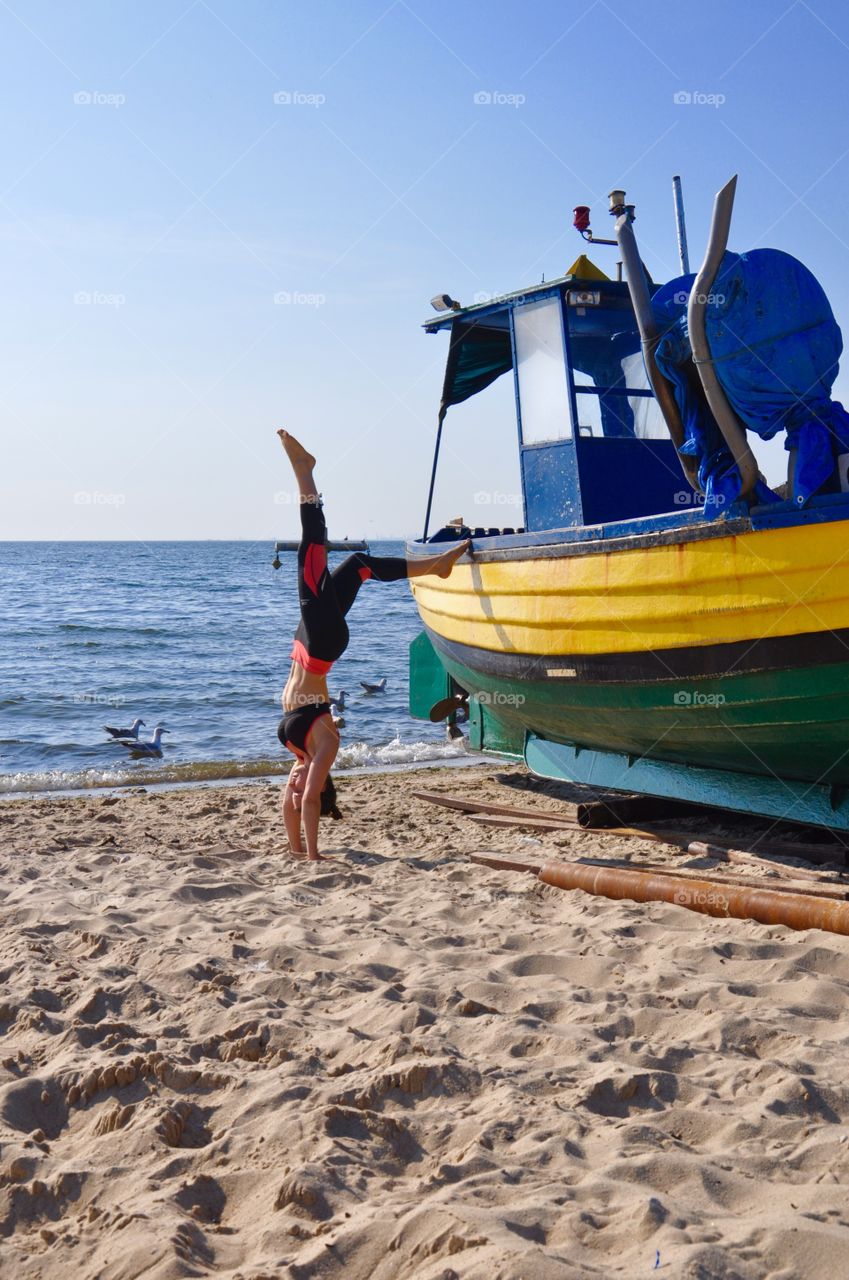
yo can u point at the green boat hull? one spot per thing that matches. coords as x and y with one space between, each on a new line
791 723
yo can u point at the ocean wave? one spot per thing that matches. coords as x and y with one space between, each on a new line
129 628
359 755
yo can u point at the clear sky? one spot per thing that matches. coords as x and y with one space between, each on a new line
188 263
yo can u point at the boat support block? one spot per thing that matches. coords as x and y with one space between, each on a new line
781 799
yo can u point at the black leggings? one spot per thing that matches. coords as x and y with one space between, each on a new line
326 597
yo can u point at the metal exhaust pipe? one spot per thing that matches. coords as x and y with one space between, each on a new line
680 226
649 338
727 420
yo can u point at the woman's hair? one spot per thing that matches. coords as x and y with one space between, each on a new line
328 800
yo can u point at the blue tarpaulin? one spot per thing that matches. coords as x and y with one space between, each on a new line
775 345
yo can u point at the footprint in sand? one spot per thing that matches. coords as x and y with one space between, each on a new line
204 1198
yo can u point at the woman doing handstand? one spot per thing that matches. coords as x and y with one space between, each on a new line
307 729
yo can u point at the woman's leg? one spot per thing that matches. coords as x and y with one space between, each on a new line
322 630
358 568
440 564
312 553
303 465
326 598
350 575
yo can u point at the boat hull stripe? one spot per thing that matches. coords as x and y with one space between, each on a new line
773 653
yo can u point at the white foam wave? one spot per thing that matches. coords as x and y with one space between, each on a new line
357 755
62 780
360 755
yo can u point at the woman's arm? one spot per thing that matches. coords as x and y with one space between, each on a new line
320 766
291 809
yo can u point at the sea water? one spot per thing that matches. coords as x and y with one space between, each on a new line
191 635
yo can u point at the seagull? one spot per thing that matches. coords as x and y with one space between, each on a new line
132 732
144 750
339 700
374 688
339 721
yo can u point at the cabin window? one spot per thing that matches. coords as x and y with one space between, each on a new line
541 372
613 397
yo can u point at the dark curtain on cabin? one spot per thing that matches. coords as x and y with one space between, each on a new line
476 357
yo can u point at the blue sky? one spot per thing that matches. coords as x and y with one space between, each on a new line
188 263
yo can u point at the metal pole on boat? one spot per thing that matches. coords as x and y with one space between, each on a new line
649 335
727 420
433 474
680 225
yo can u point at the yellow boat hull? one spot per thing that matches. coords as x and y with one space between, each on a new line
718 590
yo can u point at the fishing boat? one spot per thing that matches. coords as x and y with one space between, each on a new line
663 623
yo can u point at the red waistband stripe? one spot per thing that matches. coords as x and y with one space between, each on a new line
315 666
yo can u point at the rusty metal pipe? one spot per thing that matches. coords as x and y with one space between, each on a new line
708 897
729 876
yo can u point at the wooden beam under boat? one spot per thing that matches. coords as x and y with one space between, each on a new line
500 815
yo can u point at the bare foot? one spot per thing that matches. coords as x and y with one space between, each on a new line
446 562
295 451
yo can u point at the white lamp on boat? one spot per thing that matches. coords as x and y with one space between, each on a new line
444 302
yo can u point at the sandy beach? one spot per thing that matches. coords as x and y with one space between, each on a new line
215 1060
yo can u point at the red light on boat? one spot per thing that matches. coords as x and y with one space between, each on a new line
582 218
